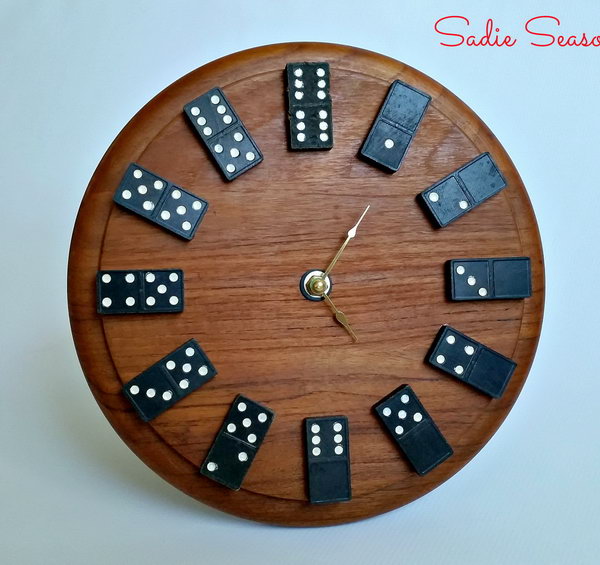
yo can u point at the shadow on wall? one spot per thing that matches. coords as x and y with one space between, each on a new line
92 441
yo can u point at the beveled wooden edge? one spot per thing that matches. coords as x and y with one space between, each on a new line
86 250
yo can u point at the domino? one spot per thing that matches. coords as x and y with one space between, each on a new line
395 126
165 383
309 106
139 292
237 442
160 201
413 429
471 362
461 191
328 459
489 279
223 133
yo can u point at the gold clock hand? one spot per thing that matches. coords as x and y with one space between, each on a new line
351 234
341 317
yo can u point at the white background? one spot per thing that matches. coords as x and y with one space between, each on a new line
73 73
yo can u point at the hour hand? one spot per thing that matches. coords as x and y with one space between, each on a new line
341 318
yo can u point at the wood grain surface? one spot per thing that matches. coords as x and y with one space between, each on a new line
261 232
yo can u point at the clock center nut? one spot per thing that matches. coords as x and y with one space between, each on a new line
313 285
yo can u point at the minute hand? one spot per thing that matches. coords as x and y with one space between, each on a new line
351 234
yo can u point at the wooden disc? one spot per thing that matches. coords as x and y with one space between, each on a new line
260 234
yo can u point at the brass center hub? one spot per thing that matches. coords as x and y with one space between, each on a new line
314 286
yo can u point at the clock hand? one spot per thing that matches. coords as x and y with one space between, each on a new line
341 317
351 234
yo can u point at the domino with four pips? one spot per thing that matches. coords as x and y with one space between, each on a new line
471 362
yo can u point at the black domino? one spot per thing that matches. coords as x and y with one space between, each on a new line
328 459
489 279
471 362
169 380
413 429
395 126
237 442
309 106
461 191
223 133
160 201
139 292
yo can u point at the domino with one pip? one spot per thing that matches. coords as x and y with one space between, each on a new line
489 279
309 106
169 380
223 133
464 189
413 429
160 201
395 126
471 362
139 292
328 459
237 442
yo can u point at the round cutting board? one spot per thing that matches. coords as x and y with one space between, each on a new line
242 302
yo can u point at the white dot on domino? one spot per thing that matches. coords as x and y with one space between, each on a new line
404 399
241 407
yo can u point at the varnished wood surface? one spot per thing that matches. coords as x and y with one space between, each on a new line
261 232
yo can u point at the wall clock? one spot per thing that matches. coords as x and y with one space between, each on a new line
261 233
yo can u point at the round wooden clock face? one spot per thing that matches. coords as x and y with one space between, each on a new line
261 233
